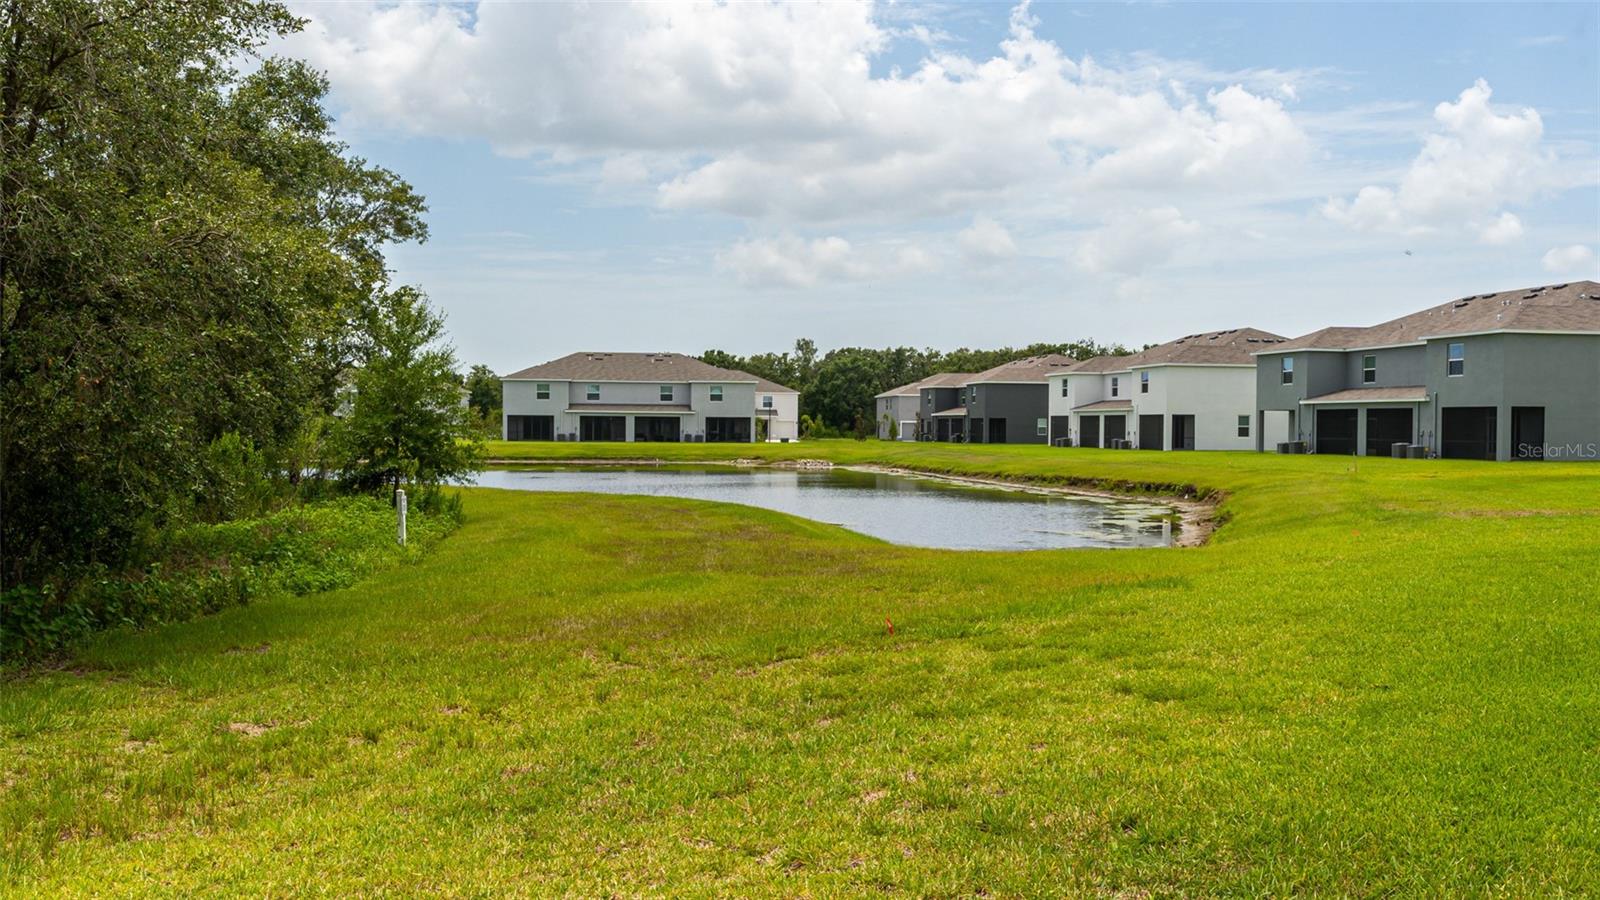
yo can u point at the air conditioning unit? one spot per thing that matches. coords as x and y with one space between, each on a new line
1416 451
1401 450
1292 447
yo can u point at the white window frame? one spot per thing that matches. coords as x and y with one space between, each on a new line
1114 385
1144 382
1455 353
541 391
591 392
1042 426
1063 387
716 393
1244 426
766 402
1369 373
666 393
1286 370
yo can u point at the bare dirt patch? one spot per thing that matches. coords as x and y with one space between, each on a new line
249 729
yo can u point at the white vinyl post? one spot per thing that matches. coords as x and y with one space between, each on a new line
400 513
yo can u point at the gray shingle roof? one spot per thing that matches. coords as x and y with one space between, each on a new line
629 367
1033 368
1571 306
943 379
1232 347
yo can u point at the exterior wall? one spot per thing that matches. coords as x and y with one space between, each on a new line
1558 372
1021 405
1397 367
520 399
934 399
785 423
1316 372
902 409
1215 395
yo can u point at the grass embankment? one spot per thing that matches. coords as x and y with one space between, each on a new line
1375 679
201 569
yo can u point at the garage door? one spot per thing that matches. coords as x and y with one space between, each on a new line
1385 428
1150 432
1468 433
1088 431
1336 431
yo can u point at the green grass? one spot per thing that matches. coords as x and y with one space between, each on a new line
1375 679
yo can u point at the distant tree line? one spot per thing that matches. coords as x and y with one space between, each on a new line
837 388
195 304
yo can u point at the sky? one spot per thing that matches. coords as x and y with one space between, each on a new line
687 176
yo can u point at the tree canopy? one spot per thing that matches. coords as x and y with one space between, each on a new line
186 252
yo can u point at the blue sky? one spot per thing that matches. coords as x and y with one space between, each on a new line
683 176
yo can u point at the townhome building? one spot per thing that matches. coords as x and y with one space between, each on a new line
777 410
1192 393
1010 403
631 397
895 411
1504 375
942 407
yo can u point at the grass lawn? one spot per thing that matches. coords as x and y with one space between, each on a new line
1375 679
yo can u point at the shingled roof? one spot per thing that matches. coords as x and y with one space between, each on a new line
942 379
1033 368
630 367
1572 306
1232 347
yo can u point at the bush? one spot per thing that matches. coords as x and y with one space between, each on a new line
205 568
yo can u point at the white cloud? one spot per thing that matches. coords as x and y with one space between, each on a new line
1503 230
1131 243
986 241
1473 164
1576 259
772 111
791 262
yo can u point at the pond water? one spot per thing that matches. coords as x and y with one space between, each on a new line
918 512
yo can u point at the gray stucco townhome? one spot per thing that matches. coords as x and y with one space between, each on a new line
1193 393
633 397
1010 403
1505 375
913 407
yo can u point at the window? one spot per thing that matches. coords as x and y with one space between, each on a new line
963 397
766 402
593 392
1041 426
541 392
1244 426
1369 369
1288 370
716 393
1144 382
1456 360
666 393
1113 385
1063 387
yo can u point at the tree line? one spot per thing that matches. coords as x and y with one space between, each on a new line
837 388
193 289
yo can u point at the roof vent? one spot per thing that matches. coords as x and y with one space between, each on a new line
1556 287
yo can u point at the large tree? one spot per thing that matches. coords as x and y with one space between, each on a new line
185 252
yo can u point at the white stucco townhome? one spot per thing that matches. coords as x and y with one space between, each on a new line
1193 393
642 397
